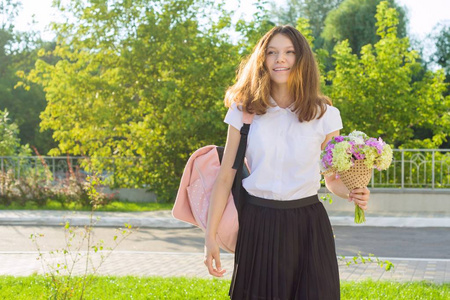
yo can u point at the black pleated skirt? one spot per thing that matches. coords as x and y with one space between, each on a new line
285 250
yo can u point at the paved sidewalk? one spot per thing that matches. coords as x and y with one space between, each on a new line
122 263
164 219
153 219
141 263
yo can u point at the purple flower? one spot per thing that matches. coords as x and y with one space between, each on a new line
339 138
327 159
356 151
360 156
378 144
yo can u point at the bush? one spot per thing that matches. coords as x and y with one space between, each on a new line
40 186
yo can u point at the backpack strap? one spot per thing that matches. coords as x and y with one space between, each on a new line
247 119
238 165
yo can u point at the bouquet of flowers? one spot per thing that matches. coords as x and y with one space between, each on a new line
352 158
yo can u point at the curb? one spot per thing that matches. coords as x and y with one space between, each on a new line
171 223
155 222
405 222
164 219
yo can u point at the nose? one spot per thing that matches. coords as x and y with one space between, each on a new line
280 58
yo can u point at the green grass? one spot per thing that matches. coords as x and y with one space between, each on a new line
104 287
113 206
369 289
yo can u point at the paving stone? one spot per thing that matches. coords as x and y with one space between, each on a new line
191 264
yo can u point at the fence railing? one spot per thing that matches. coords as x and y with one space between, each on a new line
410 168
61 167
415 168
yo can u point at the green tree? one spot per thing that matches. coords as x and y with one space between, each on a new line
18 52
8 11
289 13
442 54
315 11
9 140
354 20
251 31
376 93
26 104
442 57
141 80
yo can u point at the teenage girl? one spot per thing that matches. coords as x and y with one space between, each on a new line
285 247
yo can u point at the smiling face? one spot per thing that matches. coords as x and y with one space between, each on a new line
280 58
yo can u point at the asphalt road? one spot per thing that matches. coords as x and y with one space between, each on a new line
382 242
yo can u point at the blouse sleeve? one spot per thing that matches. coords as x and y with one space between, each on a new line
234 117
332 120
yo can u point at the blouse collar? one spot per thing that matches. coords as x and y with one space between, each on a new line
275 106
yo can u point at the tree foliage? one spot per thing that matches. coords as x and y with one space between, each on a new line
139 85
441 57
376 93
138 79
251 31
315 11
288 13
9 140
442 54
18 53
354 20
26 104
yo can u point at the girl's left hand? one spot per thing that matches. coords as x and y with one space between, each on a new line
360 197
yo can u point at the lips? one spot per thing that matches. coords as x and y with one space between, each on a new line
281 69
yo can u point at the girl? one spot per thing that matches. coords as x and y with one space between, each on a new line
285 247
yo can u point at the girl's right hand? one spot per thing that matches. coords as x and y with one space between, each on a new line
212 257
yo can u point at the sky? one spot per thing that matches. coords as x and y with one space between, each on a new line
423 14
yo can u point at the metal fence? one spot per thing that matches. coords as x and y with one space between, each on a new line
410 168
415 168
60 167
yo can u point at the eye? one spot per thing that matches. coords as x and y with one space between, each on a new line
270 52
291 51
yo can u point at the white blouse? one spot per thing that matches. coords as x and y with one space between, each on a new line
283 154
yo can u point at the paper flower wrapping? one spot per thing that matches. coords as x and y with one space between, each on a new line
352 158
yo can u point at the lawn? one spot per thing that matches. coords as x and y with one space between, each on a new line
38 287
113 206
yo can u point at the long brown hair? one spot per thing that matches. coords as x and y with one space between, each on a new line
252 87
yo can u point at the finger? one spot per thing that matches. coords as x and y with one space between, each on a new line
213 271
361 203
349 198
360 191
218 264
208 264
363 195
360 197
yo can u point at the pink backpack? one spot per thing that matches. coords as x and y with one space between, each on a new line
193 198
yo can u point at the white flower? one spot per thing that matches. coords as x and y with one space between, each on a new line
358 137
